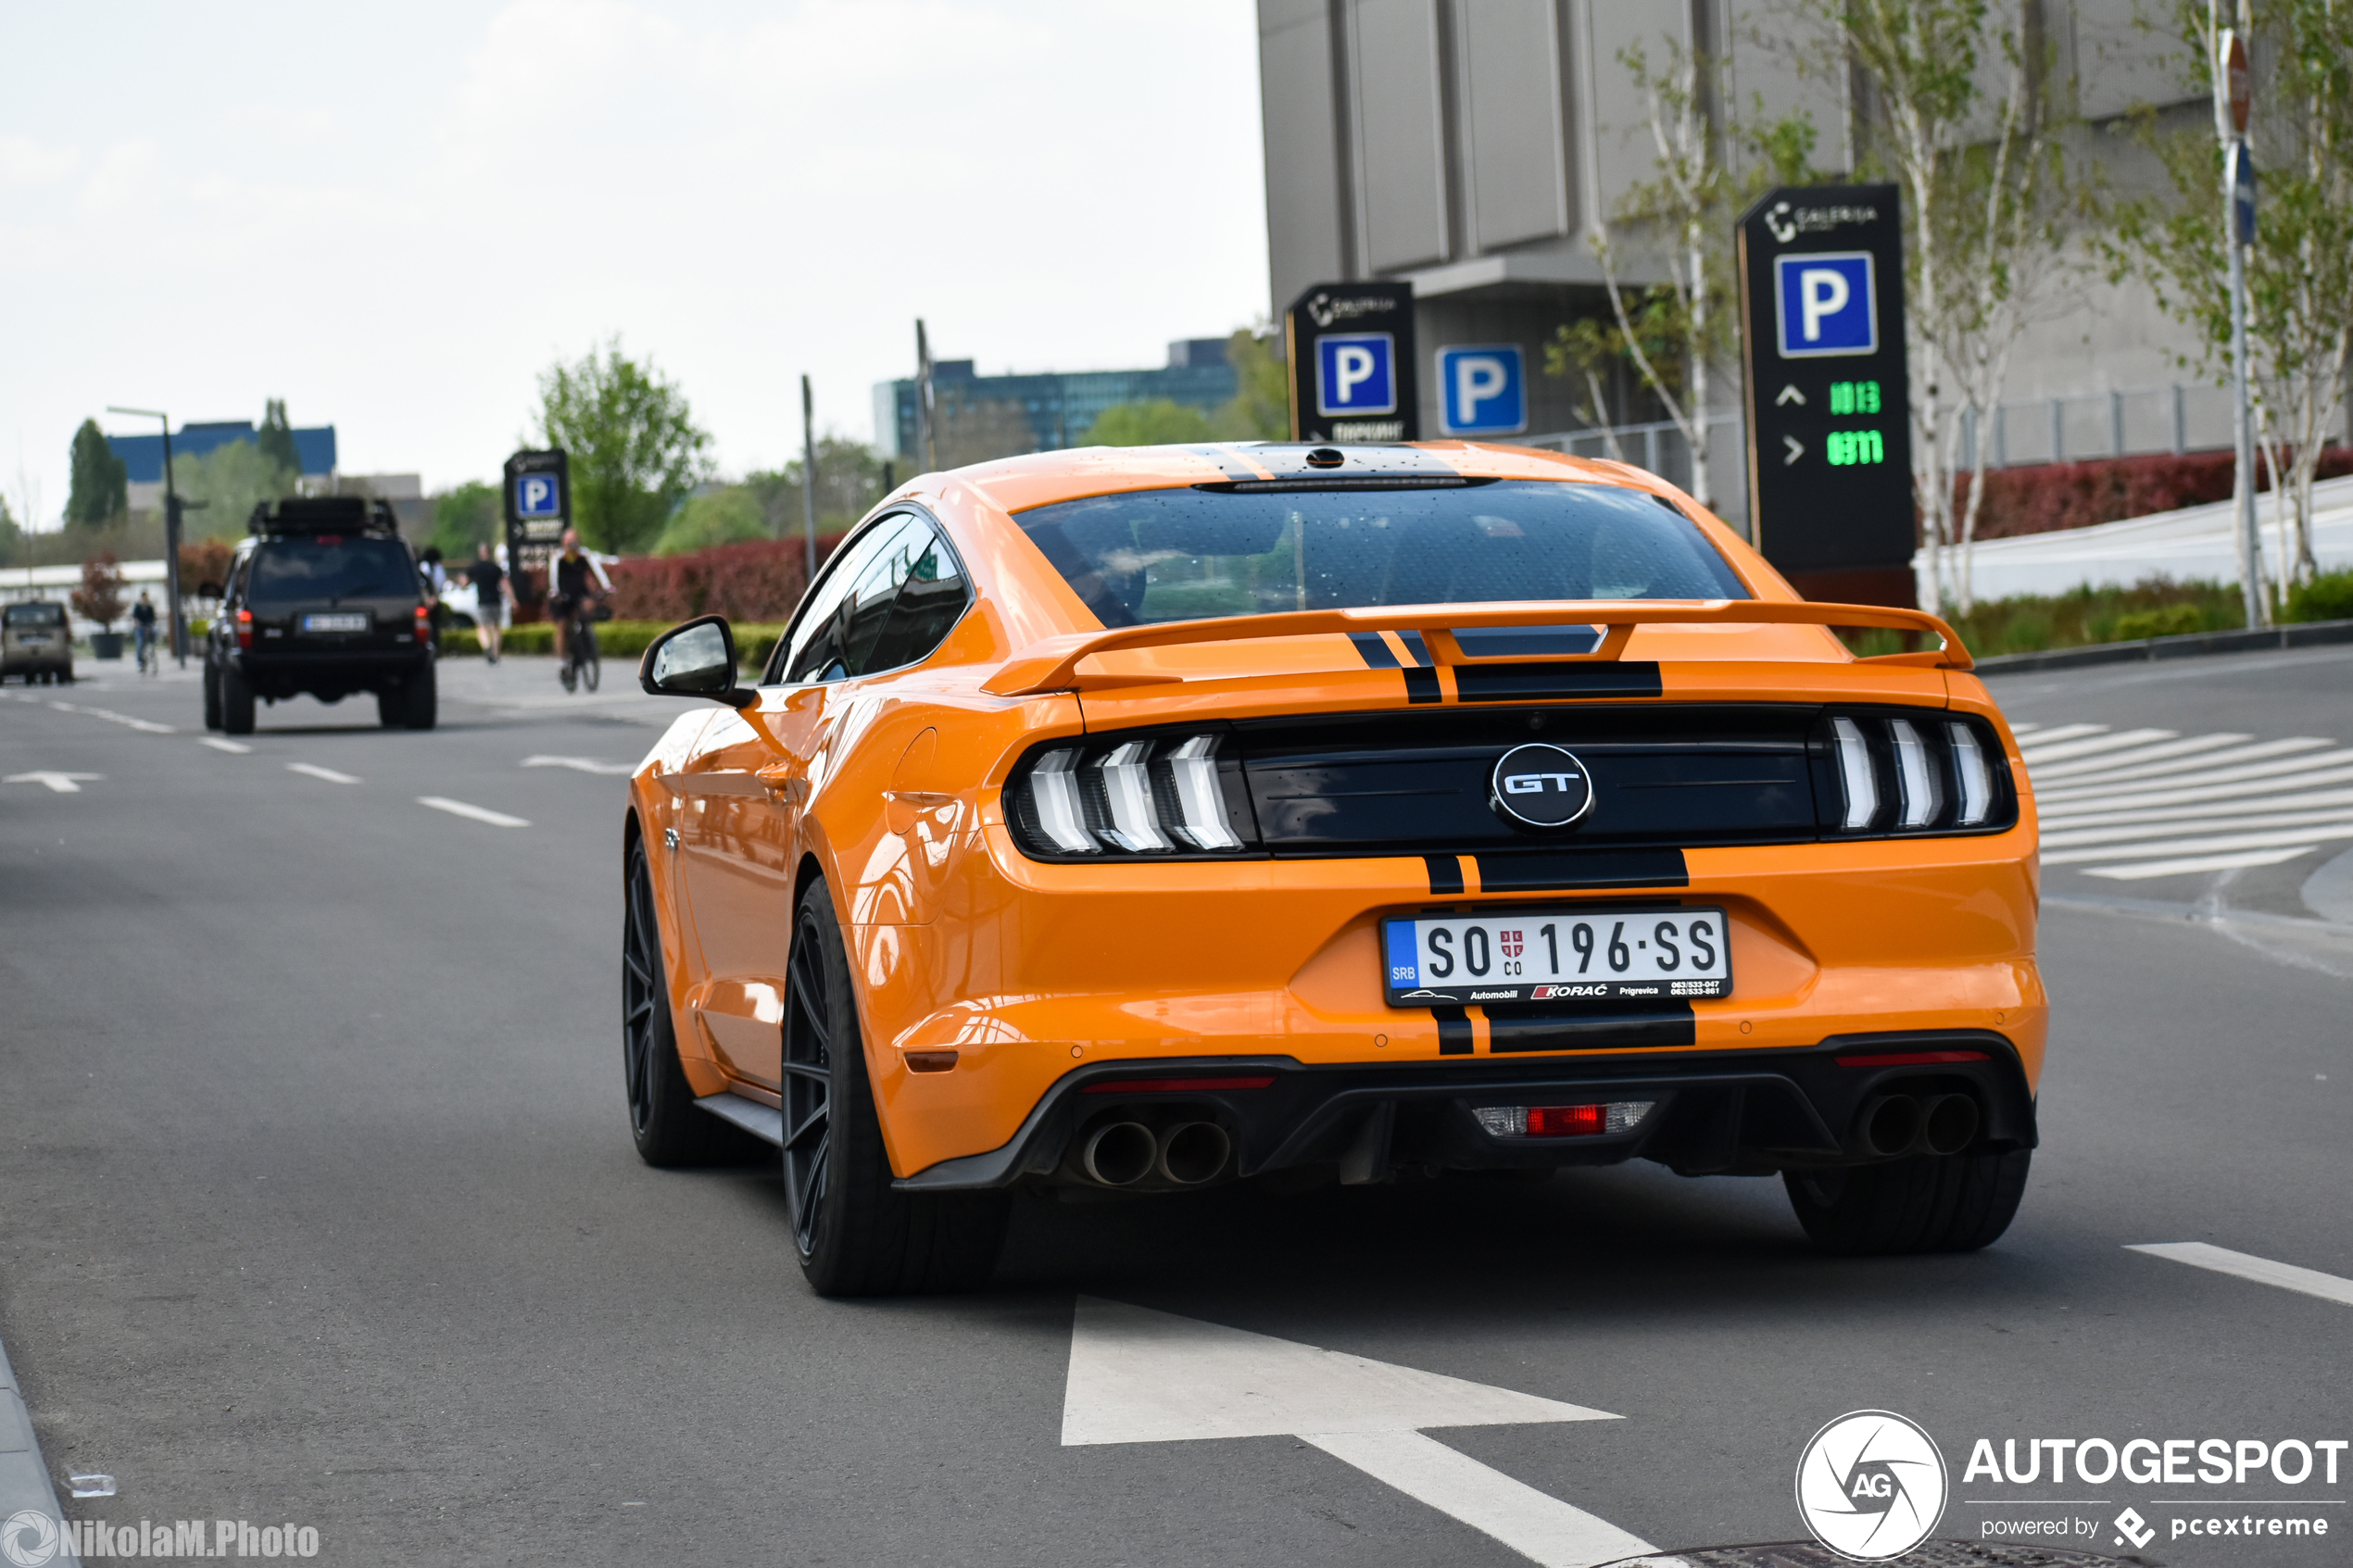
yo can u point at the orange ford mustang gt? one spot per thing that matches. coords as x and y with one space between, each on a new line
1152 817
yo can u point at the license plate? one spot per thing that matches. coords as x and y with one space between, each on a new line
334 623
33 640
1557 956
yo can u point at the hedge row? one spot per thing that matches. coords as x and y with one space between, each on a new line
756 581
617 641
2045 497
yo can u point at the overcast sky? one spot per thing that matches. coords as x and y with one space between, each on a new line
395 216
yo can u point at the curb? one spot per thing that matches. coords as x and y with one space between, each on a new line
2310 633
24 1479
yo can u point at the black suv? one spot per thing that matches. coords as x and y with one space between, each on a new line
323 598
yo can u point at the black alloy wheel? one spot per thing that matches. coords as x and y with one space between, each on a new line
664 1120
855 1233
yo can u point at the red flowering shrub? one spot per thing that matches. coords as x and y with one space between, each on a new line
2048 497
761 581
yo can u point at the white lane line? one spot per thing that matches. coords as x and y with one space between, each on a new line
59 784
471 813
2311 839
2141 871
1533 1523
2246 1265
2079 818
2271 767
312 770
1141 1377
2124 740
2231 757
580 764
234 747
2125 802
2064 732
111 717
2171 829
2104 767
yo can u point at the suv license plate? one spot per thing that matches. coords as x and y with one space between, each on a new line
1557 956
334 623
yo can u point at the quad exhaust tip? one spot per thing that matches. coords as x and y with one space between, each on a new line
1194 1152
1948 1124
1889 1126
1119 1153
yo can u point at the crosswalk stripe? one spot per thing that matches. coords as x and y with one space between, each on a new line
2328 767
2308 837
2122 740
2174 830
2107 765
2064 732
2080 818
2246 1265
2123 769
2141 871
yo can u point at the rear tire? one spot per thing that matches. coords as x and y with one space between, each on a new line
423 701
1928 1203
856 1234
392 708
663 1120
211 695
236 702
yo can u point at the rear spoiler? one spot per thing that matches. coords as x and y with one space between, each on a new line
1052 664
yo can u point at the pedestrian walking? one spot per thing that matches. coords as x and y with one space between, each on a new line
142 627
493 597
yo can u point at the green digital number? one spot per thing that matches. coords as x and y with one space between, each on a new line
1846 448
1854 398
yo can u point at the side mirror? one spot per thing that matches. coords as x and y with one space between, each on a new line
695 659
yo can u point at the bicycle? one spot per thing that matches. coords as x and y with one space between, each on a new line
581 666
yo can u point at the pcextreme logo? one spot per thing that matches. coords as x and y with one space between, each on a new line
1871 1485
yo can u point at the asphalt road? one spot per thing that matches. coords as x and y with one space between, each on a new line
317 1205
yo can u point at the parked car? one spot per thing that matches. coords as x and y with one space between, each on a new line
36 642
1135 820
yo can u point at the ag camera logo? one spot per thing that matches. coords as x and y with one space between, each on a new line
1871 1485
28 1537
1826 303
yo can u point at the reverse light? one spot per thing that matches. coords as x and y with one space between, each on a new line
1855 775
1135 796
1977 779
1563 1120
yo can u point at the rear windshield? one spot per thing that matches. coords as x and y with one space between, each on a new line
332 567
1186 555
34 615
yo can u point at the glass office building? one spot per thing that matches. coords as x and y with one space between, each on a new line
983 417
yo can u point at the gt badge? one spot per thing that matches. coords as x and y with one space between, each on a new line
1542 786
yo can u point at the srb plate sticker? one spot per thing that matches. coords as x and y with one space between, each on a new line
1557 958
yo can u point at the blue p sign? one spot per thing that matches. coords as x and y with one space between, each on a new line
535 496
1356 374
1484 392
1826 304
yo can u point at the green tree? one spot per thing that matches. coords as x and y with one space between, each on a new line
464 517
726 514
276 437
1261 407
224 486
100 486
636 449
850 482
1159 422
9 533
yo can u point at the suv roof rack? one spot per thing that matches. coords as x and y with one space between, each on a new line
325 514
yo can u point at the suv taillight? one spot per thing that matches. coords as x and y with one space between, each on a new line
424 623
245 630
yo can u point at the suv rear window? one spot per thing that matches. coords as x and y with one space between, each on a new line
32 615
330 568
1190 554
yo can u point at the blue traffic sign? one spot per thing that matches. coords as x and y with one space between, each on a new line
537 495
1826 304
1482 390
1356 374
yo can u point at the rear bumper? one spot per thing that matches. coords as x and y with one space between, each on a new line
1744 1112
285 670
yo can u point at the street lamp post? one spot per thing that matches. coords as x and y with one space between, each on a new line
170 535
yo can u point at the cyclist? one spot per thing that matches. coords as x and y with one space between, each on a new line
575 584
143 626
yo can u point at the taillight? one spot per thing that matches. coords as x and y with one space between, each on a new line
245 629
1563 1120
424 623
1129 796
1891 773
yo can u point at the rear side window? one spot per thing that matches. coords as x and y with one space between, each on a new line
885 605
32 615
1192 554
329 569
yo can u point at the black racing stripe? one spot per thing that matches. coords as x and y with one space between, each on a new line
1524 683
1670 1024
1374 651
1445 874
1539 870
1414 645
1421 685
1453 1031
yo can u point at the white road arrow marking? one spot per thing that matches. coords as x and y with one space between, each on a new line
61 784
580 764
2246 1265
1790 395
1796 449
1142 1376
312 770
471 813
